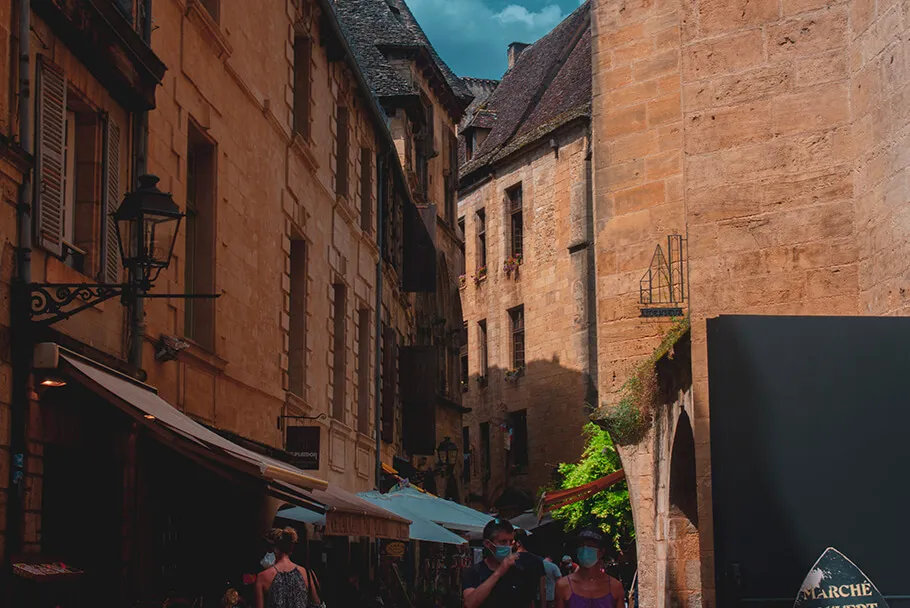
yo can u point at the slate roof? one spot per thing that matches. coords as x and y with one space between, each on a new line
481 89
548 86
373 25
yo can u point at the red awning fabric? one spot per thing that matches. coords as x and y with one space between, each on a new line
563 498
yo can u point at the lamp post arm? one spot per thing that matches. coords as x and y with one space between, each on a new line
49 302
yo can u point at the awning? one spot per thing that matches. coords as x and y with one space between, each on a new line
563 498
446 513
347 513
420 529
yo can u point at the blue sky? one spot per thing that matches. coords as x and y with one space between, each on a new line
472 35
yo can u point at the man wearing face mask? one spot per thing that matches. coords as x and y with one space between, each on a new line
590 586
503 579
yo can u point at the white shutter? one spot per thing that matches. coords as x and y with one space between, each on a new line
51 156
111 172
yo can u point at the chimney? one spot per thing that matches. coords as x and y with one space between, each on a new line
515 50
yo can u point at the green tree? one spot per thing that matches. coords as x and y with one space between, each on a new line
610 510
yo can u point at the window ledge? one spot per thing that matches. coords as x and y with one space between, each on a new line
209 27
304 148
201 354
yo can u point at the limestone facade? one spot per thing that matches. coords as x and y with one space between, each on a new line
527 288
772 135
264 121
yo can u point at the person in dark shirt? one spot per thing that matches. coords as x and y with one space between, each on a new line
503 579
521 545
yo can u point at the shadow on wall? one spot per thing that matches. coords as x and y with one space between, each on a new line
523 425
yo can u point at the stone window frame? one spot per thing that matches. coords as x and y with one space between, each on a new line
480 221
515 211
517 336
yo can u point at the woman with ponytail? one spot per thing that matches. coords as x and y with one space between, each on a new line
284 584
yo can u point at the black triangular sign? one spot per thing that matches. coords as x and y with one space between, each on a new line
835 581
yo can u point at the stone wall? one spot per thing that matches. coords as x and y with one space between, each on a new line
773 135
551 284
233 80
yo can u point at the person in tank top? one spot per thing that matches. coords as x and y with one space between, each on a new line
590 586
284 584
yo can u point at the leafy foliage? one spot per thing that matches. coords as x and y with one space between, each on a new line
610 510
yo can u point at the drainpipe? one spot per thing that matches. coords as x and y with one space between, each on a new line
377 347
591 286
140 167
20 326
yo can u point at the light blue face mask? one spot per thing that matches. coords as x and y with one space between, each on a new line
501 552
587 556
268 560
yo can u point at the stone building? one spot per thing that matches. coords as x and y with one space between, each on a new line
527 291
771 136
262 126
424 101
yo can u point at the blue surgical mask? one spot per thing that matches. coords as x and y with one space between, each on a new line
587 556
268 560
501 552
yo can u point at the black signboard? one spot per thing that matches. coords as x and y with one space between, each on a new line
835 582
303 445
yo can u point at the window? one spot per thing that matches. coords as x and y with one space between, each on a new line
461 227
466 451
297 314
469 144
485 447
78 178
82 173
213 7
482 343
363 371
199 256
464 357
514 195
302 85
518 428
366 189
481 238
517 321
340 360
341 154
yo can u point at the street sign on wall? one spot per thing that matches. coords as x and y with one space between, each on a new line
303 444
835 582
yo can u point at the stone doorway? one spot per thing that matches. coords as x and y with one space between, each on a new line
683 547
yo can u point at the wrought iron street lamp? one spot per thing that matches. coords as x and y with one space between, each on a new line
148 221
147 224
446 455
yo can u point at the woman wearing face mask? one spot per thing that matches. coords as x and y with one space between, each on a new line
284 584
590 586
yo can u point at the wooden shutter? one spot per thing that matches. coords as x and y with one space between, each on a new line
302 57
389 378
110 258
419 379
51 156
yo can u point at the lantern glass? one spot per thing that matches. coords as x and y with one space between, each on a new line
447 452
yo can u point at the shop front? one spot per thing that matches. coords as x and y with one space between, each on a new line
136 504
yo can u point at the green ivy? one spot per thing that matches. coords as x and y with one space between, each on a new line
628 420
610 510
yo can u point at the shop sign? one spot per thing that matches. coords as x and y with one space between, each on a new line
395 550
303 444
835 582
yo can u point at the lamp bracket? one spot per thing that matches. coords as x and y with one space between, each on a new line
51 302
283 417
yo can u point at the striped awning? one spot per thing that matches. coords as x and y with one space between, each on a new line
552 501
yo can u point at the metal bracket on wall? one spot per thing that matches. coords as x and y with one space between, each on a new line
662 290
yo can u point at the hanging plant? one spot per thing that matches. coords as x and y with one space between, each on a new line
513 375
511 265
629 418
481 275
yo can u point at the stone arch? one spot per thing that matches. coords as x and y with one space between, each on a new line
683 544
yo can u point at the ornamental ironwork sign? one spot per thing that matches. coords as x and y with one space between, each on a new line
662 289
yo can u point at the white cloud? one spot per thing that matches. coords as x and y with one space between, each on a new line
546 17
